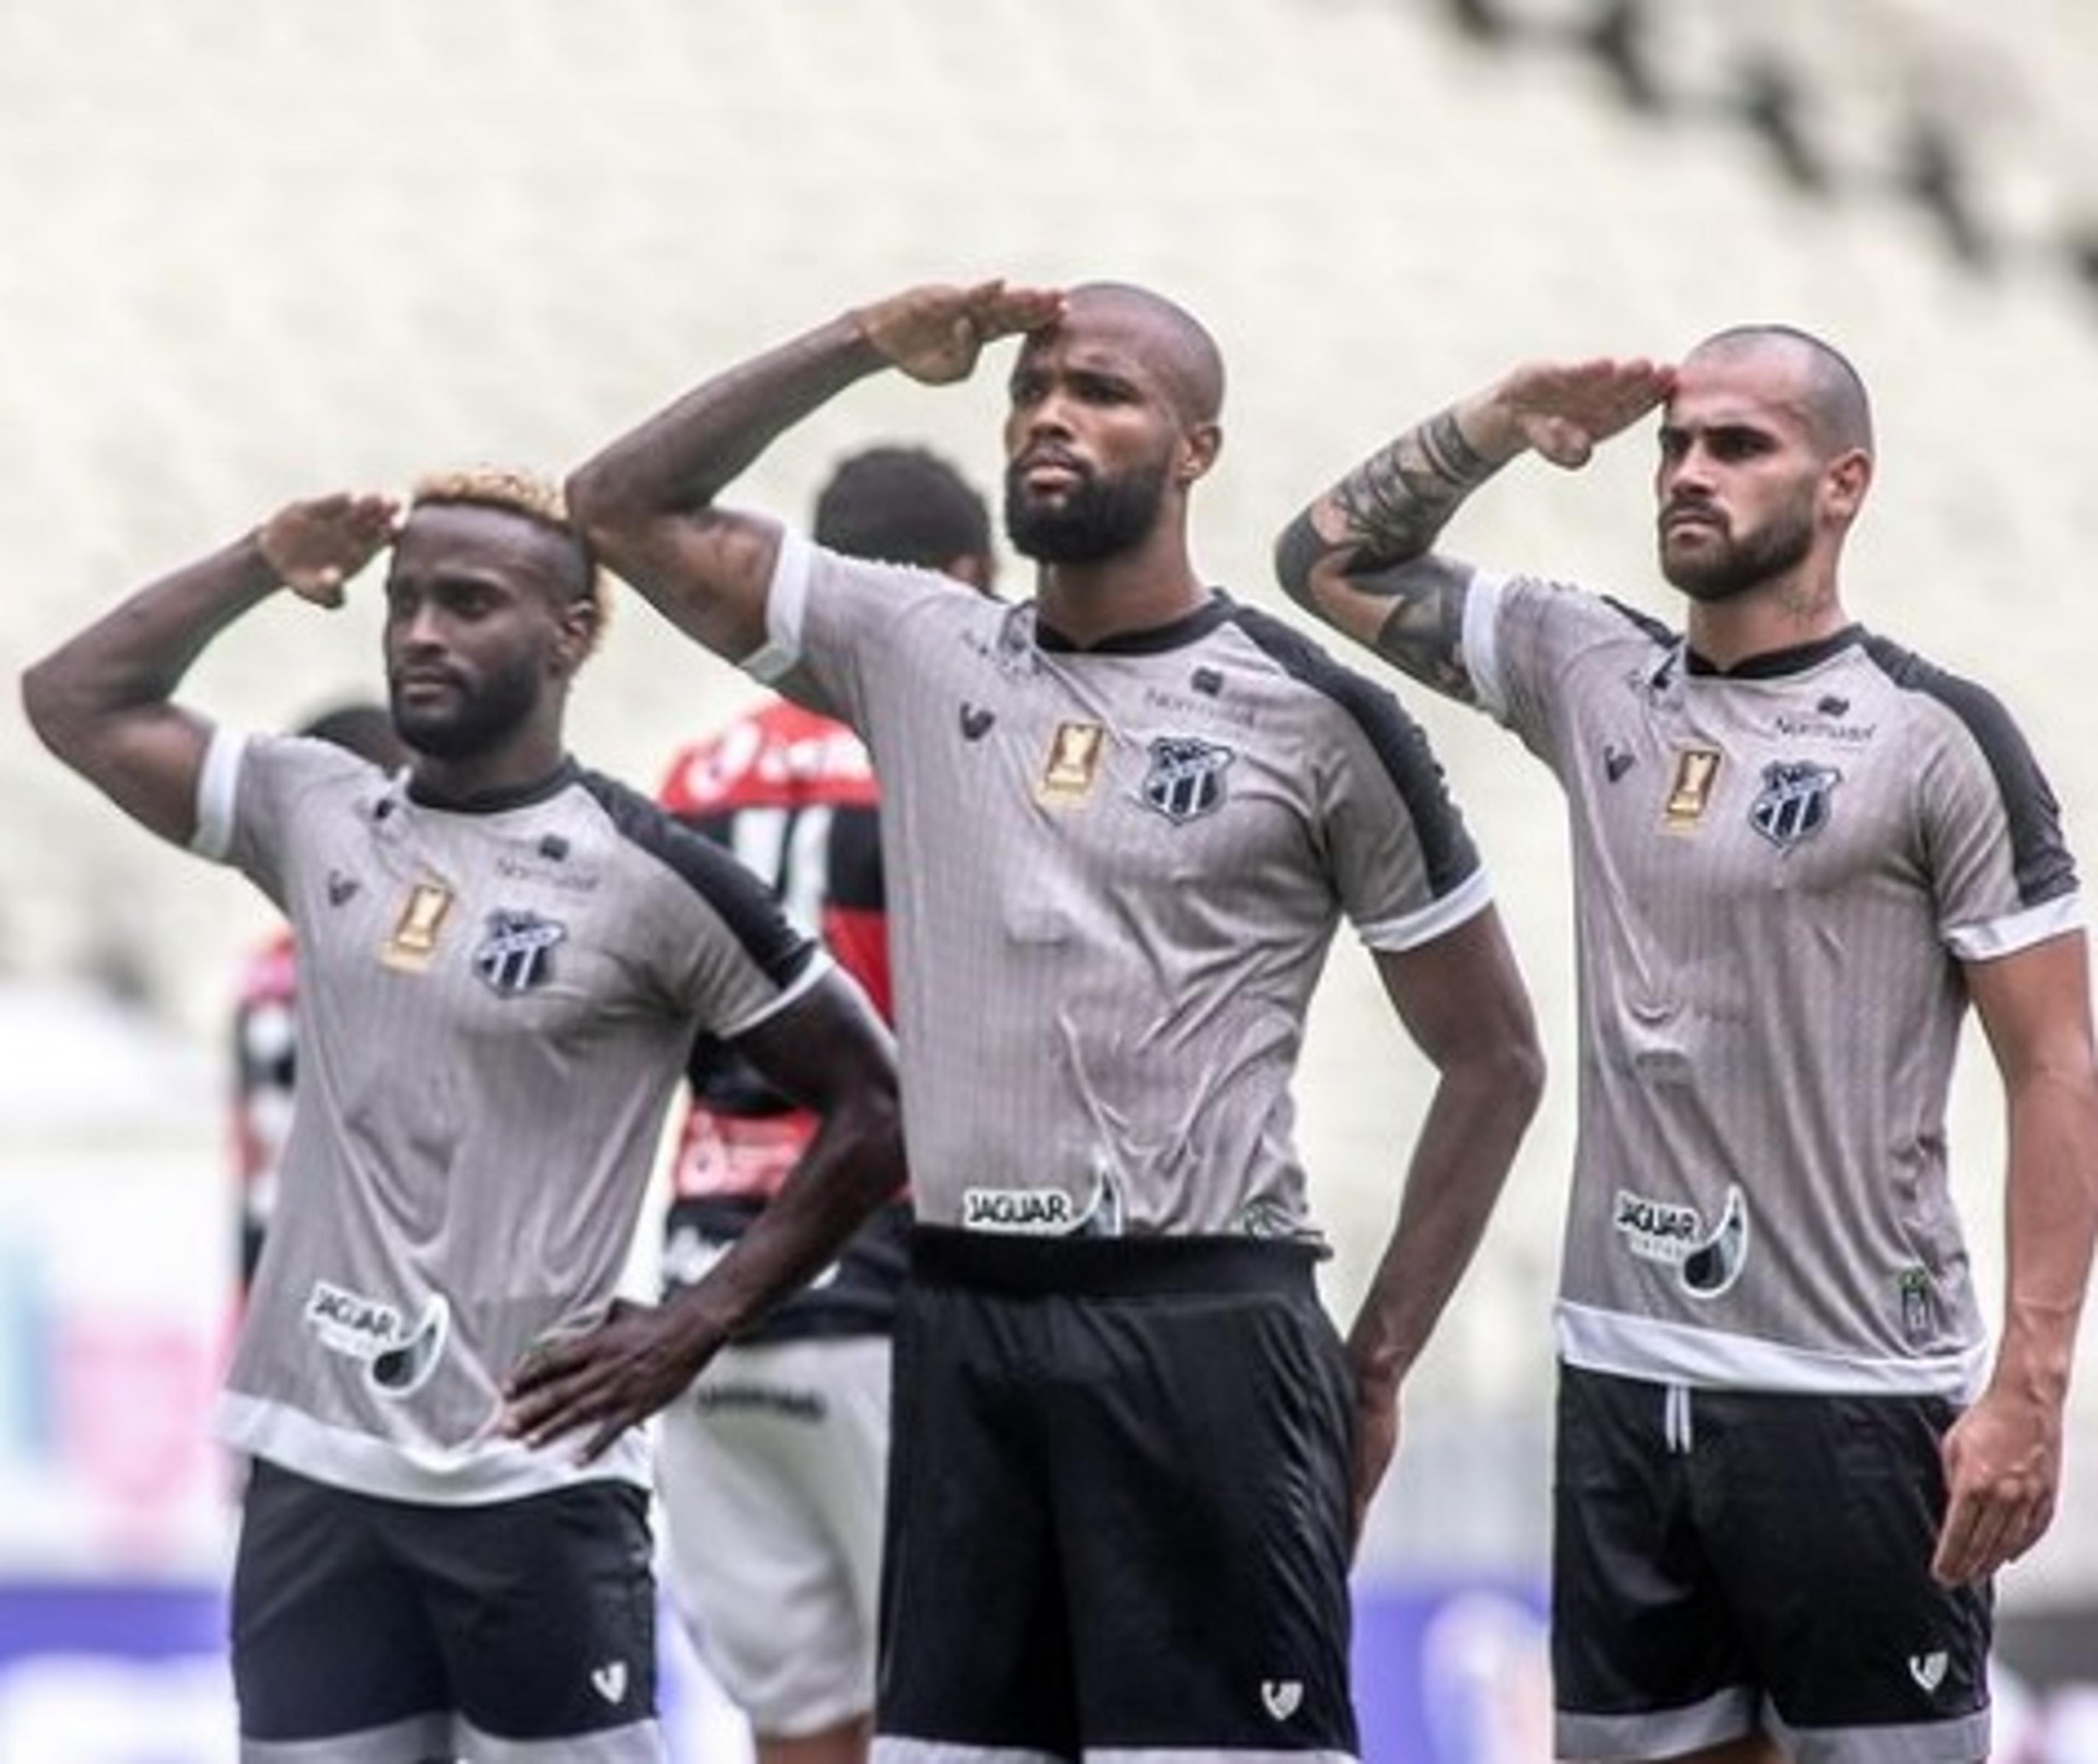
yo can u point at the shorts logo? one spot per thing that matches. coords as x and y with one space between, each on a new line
1928 1670
397 1360
1793 803
1187 778
516 954
609 1680
1674 1234
1281 1697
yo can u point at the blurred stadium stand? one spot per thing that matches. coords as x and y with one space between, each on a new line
254 252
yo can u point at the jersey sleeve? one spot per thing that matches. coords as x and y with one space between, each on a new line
832 620
1402 860
251 791
1523 637
729 957
2002 873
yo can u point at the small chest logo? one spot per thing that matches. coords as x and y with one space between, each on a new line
1187 778
517 953
1793 803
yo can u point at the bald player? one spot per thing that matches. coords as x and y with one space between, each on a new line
1122 821
1787 1463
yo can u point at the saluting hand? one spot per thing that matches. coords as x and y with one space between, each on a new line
317 545
935 333
1563 409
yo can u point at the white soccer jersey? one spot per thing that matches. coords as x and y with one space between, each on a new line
494 1008
1113 875
1777 873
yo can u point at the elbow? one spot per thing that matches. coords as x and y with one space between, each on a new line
1297 550
594 509
1524 1080
46 700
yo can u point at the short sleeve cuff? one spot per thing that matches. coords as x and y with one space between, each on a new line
786 606
218 782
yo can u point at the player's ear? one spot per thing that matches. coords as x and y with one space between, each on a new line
1199 449
579 621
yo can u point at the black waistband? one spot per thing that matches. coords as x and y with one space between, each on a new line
1110 1267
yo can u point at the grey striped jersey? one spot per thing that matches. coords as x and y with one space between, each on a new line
495 1008
1777 872
1114 877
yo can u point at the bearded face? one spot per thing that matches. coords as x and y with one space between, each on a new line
1092 517
1702 554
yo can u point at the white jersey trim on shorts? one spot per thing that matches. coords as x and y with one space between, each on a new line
1667 1353
479 1474
2021 931
218 778
786 605
1471 898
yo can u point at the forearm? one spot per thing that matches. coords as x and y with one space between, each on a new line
680 460
1360 557
1467 1145
136 655
854 1164
101 702
2051 1221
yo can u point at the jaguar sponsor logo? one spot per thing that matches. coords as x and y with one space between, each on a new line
1027 1211
1706 1261
398 1358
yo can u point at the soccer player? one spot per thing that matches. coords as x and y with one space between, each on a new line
1787 1468
1122 822
504 960
772 1471
265 1017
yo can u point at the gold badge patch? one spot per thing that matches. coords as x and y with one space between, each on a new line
1697 770
1074 762
415 938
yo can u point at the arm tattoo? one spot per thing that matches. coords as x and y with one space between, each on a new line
1395 502
1423 634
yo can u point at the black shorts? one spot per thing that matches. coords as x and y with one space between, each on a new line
394 1629
1726 1563
1118 1500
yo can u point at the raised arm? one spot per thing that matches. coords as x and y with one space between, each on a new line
647 502
829 1051
1462 999
2002 1458
104 701
1361 556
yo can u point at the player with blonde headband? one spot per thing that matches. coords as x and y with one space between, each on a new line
503 959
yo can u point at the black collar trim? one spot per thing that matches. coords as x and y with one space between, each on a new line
496 801
1775 664
1175 634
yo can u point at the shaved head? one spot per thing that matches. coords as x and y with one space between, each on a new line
1170 338
1832 398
